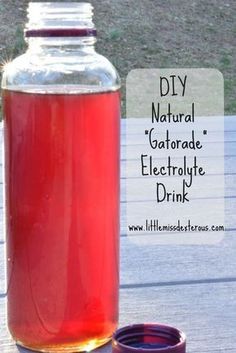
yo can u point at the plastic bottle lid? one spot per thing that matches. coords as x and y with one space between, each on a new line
148 338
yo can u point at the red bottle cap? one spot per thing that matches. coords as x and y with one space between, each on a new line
148 338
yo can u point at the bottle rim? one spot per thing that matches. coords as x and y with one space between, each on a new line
148 338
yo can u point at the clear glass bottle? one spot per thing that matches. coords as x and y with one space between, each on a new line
61 127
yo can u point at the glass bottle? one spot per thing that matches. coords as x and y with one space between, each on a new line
61 129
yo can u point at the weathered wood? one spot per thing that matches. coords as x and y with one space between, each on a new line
165 264
192 287
134 167
230 215
229 124
206 312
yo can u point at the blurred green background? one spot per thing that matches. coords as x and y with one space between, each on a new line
149 34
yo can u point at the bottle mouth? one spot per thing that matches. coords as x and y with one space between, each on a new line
59 19
61 32
148 338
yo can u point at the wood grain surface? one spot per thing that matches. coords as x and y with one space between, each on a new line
192 287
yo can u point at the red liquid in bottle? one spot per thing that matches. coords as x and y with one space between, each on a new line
62 210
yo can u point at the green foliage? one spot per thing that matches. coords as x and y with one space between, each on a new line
19 44
225 61
115 34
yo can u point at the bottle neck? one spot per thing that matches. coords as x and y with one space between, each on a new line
61 44
60 27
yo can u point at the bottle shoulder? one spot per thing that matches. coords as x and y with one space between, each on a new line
74 70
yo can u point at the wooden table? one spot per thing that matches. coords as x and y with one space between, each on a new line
191 287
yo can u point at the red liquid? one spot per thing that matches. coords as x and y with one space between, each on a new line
62 217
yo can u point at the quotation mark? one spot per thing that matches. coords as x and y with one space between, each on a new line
146 132
204 132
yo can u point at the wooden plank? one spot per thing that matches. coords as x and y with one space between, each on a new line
212 186
229 124
230 186
230 215
229 166
198 293
205 312
161 264
229 150
230 206
138 138
156 264
229 136
2 270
